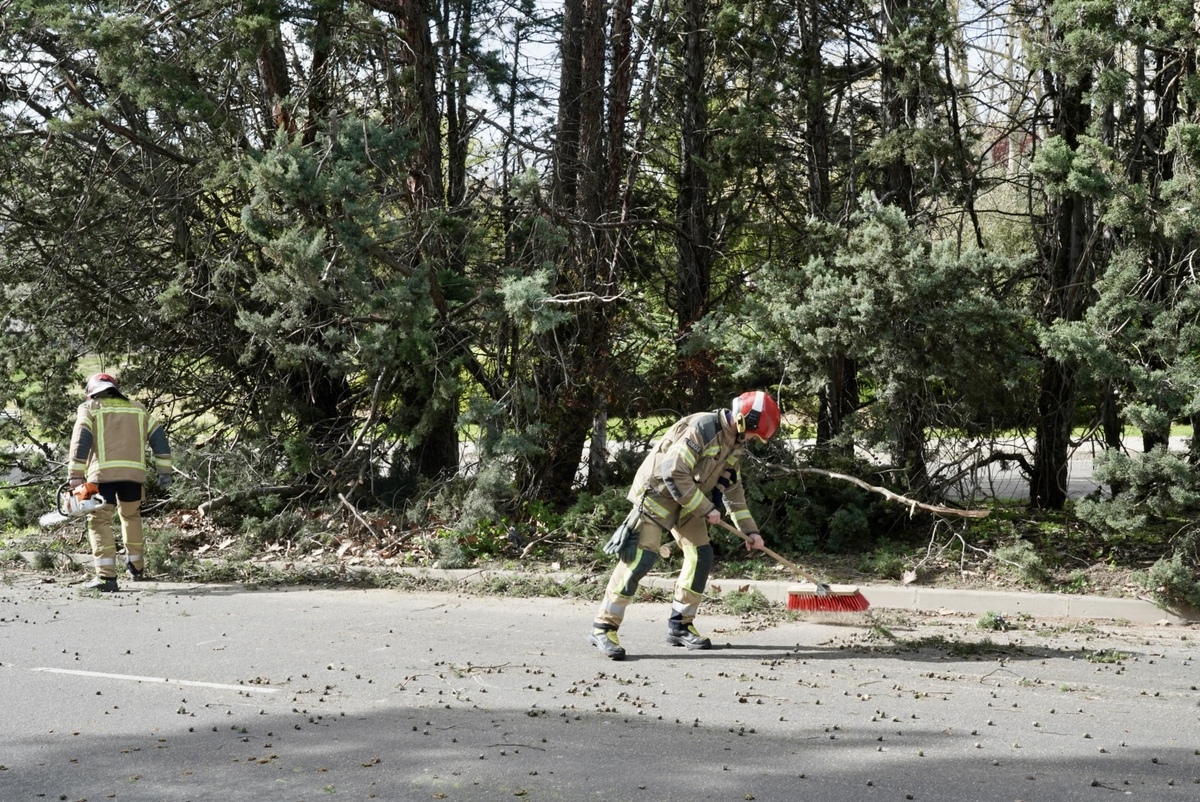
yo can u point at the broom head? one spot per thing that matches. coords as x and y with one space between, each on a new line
826 598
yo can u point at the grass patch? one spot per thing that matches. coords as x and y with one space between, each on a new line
884 562
994 622
746 602
11 558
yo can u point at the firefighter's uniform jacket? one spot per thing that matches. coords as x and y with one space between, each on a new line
674 489
109 442
700 453
108 448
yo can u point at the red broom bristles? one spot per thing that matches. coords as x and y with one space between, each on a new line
834 599
814 597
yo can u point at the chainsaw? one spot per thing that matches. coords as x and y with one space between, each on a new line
73 503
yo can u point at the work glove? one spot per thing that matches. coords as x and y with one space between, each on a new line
624 542
74 483
164 480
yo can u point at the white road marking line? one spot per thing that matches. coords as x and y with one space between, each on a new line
193 683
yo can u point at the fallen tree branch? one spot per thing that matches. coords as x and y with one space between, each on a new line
529 546
357 516
283 491
912 504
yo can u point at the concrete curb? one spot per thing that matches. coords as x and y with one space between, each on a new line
911 598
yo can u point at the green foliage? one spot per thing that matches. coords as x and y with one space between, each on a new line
747 602
502 585
279 526
43 560
1108 656
1023 561
1172 580
448 551
813 513
847 526
884 561
993 621
593 518
20 507
1083 170
162 559
919 321
1153 487
242 209
524 300
1077 582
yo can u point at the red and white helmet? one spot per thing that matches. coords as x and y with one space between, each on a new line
99 383
757 413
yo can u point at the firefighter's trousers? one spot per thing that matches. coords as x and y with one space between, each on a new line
692 538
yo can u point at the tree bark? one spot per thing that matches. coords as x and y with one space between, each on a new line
694 251
1065 286
838 397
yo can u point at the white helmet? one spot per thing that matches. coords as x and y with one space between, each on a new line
99 383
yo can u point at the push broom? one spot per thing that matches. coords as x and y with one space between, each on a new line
814 596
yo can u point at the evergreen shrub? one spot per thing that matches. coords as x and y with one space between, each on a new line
1022 559
1154 486
1170 581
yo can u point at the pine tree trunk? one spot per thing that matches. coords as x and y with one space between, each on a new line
1056 407
694 242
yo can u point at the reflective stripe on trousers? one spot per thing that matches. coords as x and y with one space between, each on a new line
104 547
693 578
689 590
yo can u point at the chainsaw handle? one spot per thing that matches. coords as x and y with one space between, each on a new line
64 491
778 558
82 493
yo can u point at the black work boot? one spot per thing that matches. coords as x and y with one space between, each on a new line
102 584
687 636
606 641
135 573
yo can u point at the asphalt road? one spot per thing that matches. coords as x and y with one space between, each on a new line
172 692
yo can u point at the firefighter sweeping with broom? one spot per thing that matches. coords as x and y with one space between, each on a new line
108 450
686 477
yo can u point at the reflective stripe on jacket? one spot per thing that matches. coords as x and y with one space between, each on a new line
108 443
676 479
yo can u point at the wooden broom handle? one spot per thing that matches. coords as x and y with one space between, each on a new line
778 558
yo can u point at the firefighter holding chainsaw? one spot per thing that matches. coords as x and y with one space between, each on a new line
689 474
108 452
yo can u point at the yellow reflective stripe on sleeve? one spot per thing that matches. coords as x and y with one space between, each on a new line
685 455
741 515
695 501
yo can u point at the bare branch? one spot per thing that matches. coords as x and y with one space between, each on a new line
911 503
